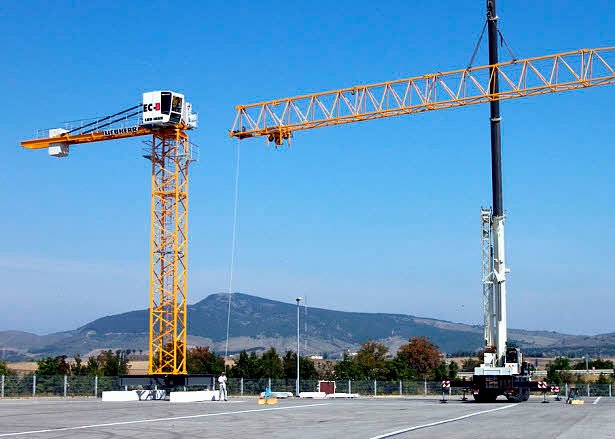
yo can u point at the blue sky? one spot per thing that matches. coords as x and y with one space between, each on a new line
379 216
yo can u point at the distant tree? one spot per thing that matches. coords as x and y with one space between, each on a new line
246 366
469 364
77 367
603 379
453 370
348 369
270 365
92 367
598 363
445 371
4 370
440 373
555 374
49 366
422 356
398 369
307 370
201 360
371 359
111 364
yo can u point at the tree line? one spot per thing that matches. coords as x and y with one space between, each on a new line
267 365
107 363
419 359
559 371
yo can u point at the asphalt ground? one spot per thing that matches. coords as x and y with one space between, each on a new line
292 418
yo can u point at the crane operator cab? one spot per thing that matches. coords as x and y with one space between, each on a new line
166 109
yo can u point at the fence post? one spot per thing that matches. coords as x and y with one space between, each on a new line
96 386
566 387
401 389
2 393
33 385
241 387
65 385
349 386
610 387
375 387
425 384
588 390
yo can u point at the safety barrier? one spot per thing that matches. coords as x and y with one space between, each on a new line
12 386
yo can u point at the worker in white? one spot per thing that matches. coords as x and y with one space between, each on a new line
222 386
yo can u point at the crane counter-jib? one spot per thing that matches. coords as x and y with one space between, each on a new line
554 73
99 136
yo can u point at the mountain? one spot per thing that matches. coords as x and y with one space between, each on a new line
258 323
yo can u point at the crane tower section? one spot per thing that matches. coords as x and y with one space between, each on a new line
170 158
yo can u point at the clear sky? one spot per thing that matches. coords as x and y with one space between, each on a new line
379 216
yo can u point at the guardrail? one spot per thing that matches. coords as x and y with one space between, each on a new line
12 386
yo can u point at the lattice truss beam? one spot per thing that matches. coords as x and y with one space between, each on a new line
169 252
277 119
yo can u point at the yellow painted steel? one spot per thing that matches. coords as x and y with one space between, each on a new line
169 253
170 157
82 138
278 119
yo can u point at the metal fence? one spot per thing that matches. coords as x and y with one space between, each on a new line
12 386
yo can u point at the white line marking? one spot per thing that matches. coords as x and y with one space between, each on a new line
432 424
175 418
597 399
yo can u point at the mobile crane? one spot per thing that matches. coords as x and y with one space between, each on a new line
503 371
166 116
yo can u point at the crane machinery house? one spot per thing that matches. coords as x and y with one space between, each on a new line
167 109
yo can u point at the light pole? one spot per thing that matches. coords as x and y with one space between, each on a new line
298 299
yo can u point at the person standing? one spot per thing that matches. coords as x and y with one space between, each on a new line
222 387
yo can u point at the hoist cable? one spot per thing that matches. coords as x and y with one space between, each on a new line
233 242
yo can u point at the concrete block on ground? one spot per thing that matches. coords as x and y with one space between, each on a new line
195 396
133 395
343 395
280 395
313 395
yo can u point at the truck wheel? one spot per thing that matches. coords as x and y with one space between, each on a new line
520 396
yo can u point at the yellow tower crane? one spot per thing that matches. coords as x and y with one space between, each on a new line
166 117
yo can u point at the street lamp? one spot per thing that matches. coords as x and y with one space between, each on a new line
298 299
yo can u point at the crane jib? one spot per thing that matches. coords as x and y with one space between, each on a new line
277 119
